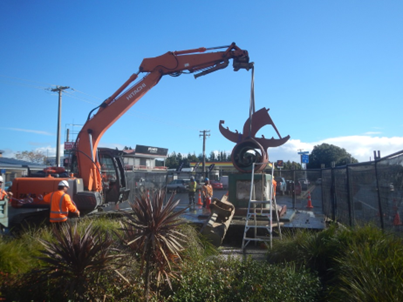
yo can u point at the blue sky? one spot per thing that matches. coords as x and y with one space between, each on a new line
330 71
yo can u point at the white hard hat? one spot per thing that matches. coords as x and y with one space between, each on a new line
64 183
1 178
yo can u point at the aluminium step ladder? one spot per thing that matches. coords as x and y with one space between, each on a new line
252 221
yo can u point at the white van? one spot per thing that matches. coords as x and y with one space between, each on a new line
224 181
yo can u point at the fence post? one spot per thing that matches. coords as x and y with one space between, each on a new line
322 191
350 208
294 197
333 195
379 195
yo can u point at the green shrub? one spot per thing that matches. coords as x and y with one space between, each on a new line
232 279
371 268
20 254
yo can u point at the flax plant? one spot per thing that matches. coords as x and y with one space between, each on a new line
75 260
152 233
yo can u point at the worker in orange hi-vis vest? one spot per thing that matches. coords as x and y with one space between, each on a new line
207 191
61 203
4 194
274 187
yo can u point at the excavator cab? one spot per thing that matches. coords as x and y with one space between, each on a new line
113 175
114 188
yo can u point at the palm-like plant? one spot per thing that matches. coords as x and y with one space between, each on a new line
152 232
77 260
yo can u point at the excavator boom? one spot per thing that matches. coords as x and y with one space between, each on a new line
85 177
170 63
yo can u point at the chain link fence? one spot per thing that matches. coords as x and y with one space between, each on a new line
364 193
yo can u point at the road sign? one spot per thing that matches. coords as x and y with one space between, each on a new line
68 145
305 158
280 164
303 152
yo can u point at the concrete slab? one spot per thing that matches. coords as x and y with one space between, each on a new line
288 216
306 220
292 218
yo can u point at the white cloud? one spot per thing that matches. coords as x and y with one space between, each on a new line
8 153
360 147
32 131
50 151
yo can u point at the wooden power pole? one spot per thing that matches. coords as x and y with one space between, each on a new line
204 134
60 90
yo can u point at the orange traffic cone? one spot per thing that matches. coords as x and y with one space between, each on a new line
309 205
199 202
397 221
208 202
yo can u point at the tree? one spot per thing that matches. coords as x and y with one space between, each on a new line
291 165
172 162
326 154
192 157
32 156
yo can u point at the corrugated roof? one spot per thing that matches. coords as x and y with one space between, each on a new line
5 161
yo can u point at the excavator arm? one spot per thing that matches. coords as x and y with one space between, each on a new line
197 61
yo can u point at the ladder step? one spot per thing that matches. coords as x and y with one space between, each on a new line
258 216
260 201
258 238
275 224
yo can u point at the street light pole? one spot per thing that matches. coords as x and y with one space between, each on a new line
204 150
60 90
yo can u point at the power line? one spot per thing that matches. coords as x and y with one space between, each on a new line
95 97
69 94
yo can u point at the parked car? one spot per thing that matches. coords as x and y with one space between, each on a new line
281 185
178 185
304 183
293 187
224 180
142 185
7 185
216 185
384 185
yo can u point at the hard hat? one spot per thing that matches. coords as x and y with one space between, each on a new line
64 183
1 178
206 179
192 178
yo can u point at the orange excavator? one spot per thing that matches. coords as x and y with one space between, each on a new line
96 176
